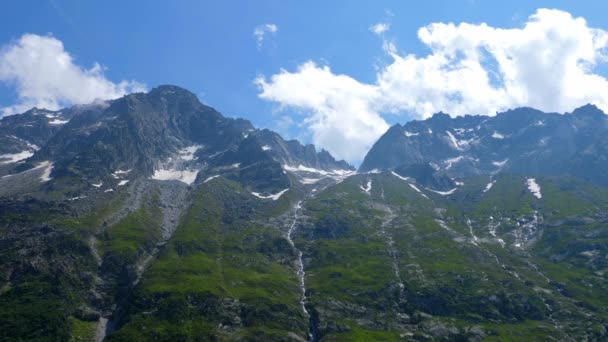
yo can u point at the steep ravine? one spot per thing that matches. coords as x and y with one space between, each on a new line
173 200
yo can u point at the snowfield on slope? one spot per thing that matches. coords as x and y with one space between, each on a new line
534 188
184 176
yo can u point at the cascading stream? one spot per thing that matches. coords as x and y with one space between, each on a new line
299 264
301 273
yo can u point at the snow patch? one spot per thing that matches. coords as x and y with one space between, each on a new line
444 193
76 198
119 173
109 190
497 135
184 176
15 157
534 188
336 174
500 163
123 182
309 180
489 186
98 185
410 134
46 175
452 161
210 178
58 122
400 176
266 148
272 197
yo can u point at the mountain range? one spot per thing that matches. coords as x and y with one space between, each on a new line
153 217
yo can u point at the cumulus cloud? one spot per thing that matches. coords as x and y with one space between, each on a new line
45 76
548 63
339 108
260 32
380 28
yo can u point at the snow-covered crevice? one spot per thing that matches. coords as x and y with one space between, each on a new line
534 187
410 134
450 162
368 187
273 197
418 190
444 193
400 176
453 141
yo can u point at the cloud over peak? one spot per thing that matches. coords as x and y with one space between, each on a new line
548 63
45 75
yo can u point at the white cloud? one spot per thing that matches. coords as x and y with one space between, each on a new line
45 76
340 117
548 63
380 28
260 32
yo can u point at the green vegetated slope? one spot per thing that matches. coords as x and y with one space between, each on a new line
47 270
396 262
393 264
227 273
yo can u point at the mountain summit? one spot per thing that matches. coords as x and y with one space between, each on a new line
521 141
153 217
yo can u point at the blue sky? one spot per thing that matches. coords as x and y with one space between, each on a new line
209 48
